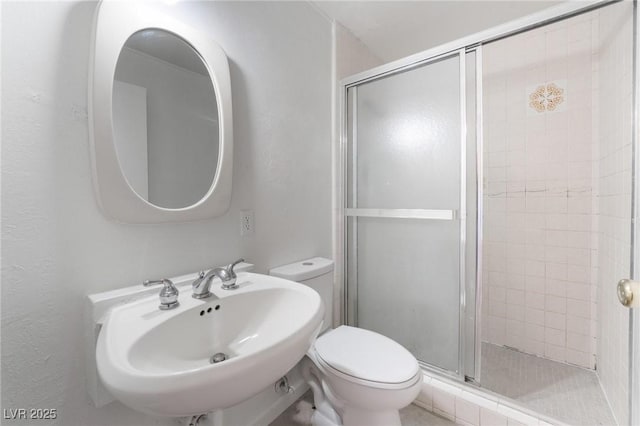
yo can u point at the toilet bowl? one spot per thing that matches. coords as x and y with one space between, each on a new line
358 377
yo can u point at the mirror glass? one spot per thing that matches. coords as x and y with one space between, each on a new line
165 119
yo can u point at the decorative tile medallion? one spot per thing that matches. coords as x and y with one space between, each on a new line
547 97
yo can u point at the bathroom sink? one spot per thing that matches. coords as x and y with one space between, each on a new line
207 354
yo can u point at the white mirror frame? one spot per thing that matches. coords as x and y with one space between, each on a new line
114 23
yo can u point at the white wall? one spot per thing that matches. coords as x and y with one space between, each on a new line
182 127
56 245
352 55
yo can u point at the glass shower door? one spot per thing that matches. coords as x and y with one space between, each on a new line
406 208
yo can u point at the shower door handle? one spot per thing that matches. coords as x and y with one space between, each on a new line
629 293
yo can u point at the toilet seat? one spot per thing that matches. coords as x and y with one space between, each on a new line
366 358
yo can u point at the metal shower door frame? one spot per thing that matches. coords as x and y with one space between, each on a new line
634 313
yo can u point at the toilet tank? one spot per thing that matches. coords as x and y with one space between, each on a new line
316 273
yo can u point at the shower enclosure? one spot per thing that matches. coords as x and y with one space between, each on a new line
409 244
444 146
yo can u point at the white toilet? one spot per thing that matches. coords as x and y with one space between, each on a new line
358 377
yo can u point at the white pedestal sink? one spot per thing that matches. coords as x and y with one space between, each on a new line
158 362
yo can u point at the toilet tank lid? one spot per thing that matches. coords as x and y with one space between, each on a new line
304 269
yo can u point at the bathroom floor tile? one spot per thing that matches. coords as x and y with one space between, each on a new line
564 392
416 416
299 413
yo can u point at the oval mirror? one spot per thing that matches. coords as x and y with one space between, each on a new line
160 117
165 119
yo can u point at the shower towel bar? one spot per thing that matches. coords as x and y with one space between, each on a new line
404 213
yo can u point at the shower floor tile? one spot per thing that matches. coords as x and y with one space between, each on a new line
570 394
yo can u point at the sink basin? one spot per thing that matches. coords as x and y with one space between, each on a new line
160 362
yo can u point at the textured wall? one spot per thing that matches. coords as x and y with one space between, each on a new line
56 245
352 55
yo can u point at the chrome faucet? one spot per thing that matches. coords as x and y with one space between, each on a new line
168 294
227 275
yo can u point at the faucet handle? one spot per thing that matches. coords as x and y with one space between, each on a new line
168 294
232 265
229 276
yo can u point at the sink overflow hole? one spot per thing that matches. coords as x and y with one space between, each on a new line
219 357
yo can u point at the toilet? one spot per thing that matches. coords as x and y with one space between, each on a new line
358 377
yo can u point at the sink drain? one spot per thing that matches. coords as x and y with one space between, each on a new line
219 357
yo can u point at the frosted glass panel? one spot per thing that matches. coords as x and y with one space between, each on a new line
408 285
404 152
407 139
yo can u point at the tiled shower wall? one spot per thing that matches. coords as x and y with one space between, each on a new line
540 219
614 103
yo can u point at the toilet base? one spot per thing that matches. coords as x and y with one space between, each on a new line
323 413
319 419
330 411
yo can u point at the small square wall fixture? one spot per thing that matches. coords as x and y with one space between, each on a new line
546 97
